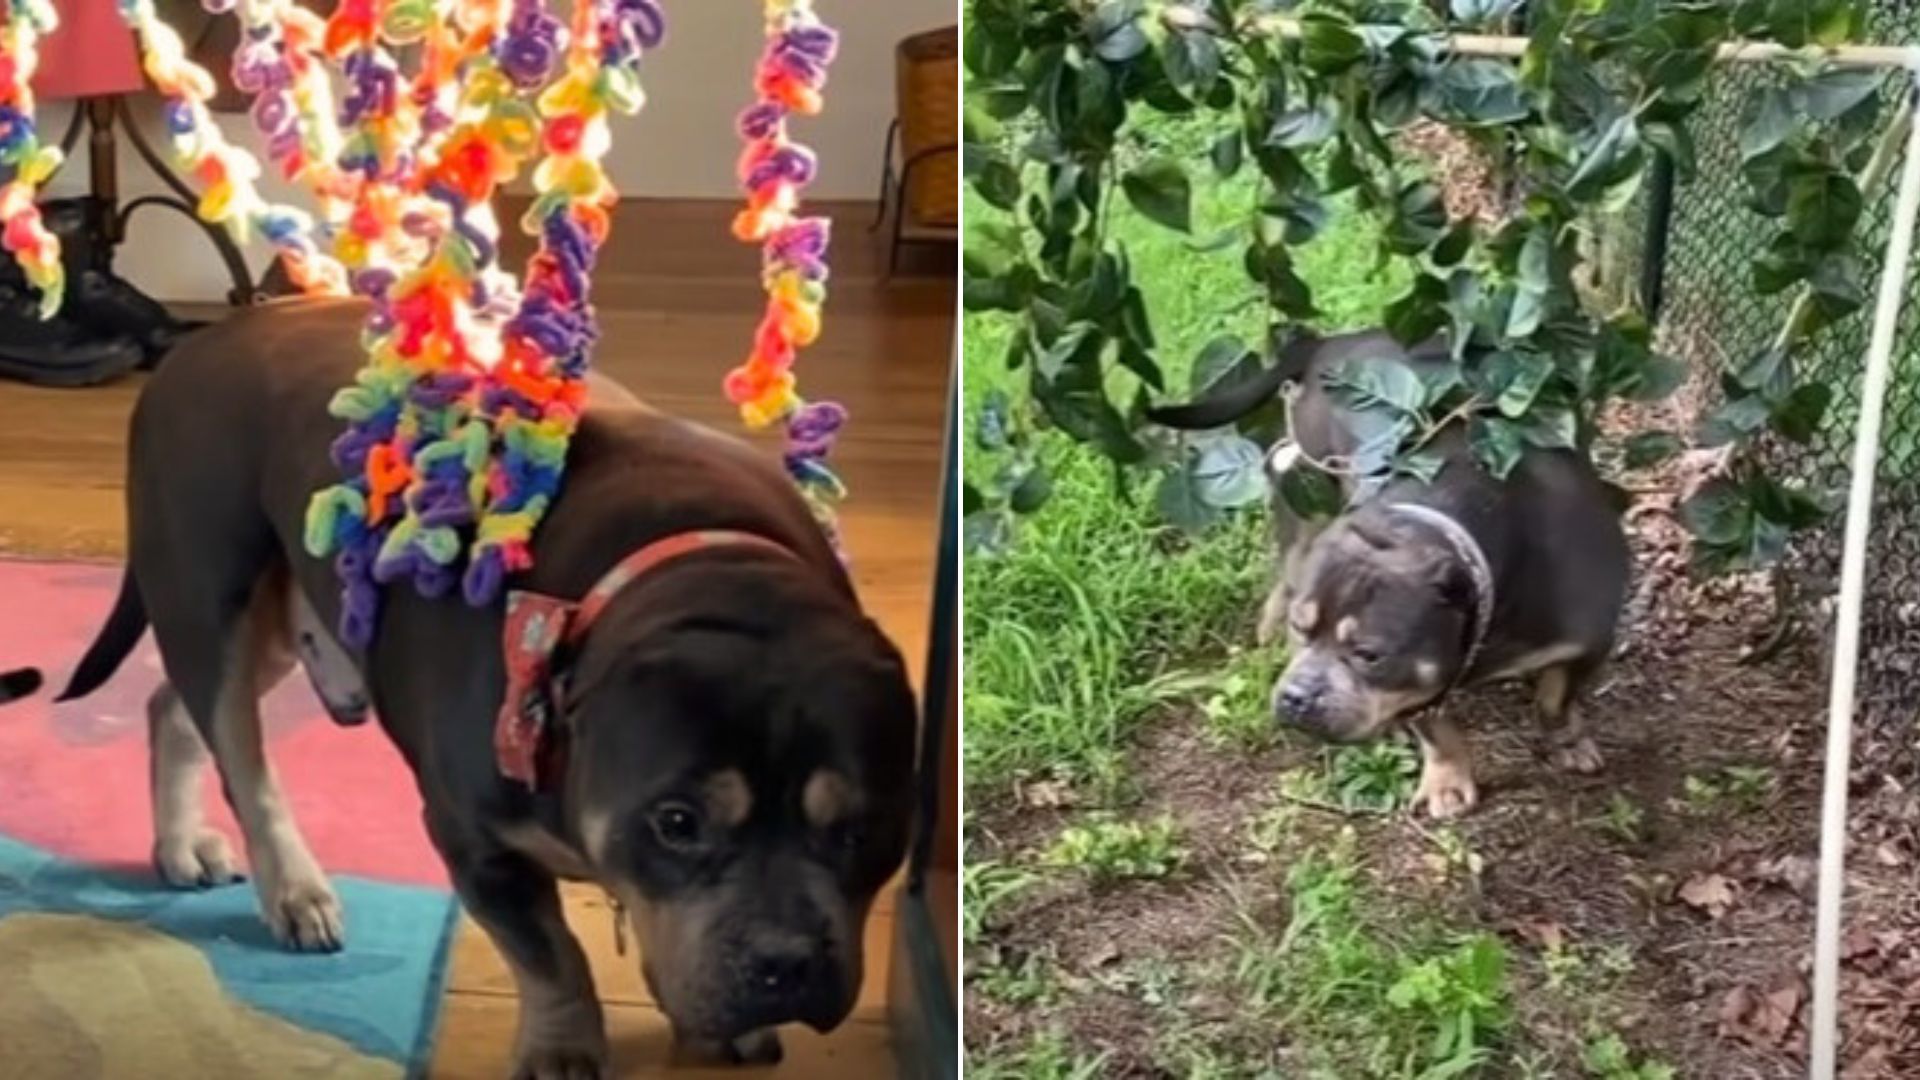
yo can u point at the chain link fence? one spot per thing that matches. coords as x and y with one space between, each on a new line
1710 313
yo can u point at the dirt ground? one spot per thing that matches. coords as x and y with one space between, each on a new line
1707 899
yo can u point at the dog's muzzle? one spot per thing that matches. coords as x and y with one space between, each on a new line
782 977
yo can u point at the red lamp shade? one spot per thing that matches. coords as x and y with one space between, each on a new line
92 53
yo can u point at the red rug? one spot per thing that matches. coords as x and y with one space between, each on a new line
73 777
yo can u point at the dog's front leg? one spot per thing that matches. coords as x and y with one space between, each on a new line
1446 771
562 1035
1568 745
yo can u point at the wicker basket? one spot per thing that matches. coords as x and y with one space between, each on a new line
929 77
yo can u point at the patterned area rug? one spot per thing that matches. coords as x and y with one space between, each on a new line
110 974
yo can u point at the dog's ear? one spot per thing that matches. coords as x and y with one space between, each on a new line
1454 583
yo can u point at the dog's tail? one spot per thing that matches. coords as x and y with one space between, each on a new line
1290 365
115 643
15 685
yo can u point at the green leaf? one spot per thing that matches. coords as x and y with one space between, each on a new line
991 431
1732 420
1831 94
1839 286
1222 362
1366 384
1718 514
1773 122
1114 29
1675 141
1497 444
1226 155
1299 128
1193 61
1033 490
1649 448
1160 190
1422 465
1799 416
1552 429
1660 375
1613 159
1229 472
1532 283
1419 217
1812 22
1822 209
1309 493
999 184
1482 93
1178 500
1483 13
1455 246
987 532
1522 375
1791 507
1329 44
1420 312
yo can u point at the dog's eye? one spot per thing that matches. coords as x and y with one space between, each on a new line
676 824
1366 654
846 836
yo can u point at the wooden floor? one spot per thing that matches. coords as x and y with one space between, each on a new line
678 301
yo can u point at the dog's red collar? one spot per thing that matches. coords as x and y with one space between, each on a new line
538 625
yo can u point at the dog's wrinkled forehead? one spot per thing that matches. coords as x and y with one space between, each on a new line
1372 568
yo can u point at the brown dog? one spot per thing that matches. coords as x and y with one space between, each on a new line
720 737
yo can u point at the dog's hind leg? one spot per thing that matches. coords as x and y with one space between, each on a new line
296 900
1556 694
187 853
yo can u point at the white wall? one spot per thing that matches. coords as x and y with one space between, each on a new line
682 146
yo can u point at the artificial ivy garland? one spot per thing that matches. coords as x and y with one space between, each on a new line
1311 93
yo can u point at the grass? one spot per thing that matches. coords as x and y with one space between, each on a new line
1111 851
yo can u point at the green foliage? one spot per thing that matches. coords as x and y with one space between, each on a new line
1374 776
1738 788
1119 850
1606 1057
1375 1003
986 888
1623 819
1062 96
1047 1056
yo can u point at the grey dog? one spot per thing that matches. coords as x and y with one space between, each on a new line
1425 587
724 741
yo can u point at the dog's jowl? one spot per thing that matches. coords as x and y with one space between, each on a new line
682 702
1420 588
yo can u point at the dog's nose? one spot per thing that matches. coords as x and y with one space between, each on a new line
784 968
1294 701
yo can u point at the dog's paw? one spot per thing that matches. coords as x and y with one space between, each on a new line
561 1063
761 1047
1445 791
1580 756
757 1048
201 859
304 914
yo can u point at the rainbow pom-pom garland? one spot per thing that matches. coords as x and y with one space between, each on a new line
458 426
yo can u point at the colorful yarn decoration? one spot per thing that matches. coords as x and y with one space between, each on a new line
21 230
457 428
773 171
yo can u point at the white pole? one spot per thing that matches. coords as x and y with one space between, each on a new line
1846 651
1730 52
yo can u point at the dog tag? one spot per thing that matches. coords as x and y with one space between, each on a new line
619 925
